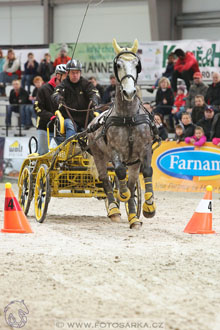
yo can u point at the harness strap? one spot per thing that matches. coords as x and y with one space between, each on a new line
127 121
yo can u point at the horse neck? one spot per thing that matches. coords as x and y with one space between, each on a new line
125 108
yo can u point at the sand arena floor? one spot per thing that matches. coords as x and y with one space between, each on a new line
80 267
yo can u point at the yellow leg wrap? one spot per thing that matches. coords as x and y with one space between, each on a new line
132 218
148 196
113 210
125 196
149 208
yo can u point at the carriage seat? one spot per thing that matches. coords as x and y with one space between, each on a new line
61 122
60 118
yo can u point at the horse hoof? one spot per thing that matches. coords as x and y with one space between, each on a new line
149 214
115 218
135 225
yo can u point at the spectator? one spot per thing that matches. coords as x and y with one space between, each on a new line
168 73
30 71
97 86
213 93
215 130
109 94
2 60
161 126
198 139
62 58
198 109
179 134
46 68
164 100
38 82
184 68
11 71
19 100
187 124
207 121
179 103
197 88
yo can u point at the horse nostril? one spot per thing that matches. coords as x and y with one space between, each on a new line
125 93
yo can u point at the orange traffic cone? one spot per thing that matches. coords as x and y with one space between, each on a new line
15 220
201 221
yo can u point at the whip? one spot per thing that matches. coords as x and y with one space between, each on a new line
87 7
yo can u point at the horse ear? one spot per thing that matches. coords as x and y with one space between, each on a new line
116 46
134 48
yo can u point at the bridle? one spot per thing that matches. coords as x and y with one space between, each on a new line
127 75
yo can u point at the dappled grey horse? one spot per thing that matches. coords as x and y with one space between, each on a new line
126 140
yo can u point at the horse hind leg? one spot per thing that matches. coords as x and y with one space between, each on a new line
149 207
133 173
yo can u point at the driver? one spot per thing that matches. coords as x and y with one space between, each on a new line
77 93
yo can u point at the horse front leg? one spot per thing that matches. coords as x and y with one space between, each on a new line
133 174
112 206
101 164
124 193
149 207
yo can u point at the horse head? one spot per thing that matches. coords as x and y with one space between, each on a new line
127 66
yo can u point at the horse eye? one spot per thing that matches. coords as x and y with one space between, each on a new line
118 65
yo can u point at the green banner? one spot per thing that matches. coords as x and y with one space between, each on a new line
96 58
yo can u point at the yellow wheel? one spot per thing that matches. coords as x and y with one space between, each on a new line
25 189
41 193
137 199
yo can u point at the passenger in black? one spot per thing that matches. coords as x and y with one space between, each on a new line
45 108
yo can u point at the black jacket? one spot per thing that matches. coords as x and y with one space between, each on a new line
179 138
215 129
44 106
189 130
162 132
198 113
109 94
76 96
45 70
21 98
213 94
167 94
206 124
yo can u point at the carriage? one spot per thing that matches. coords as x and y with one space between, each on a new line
121 145
67 170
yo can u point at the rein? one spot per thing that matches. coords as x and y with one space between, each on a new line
102 107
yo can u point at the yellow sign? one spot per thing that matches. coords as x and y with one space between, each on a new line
184 167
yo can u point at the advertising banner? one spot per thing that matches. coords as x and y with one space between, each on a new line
97 57
154 56
15 151
183 167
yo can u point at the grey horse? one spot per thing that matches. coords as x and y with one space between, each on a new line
125 138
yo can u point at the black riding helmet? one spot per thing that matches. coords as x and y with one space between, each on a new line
73 65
